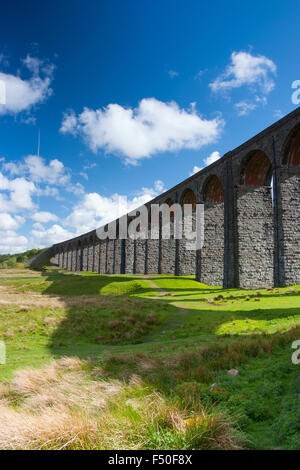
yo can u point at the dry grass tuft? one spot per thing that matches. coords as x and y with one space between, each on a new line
62 407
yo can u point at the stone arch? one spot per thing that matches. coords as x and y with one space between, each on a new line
255 221
188 197
212 253
290 153
213 190
294 154
170 203
256 169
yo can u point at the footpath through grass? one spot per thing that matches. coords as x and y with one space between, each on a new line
164 342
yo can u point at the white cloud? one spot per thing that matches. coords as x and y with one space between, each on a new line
89 166
53 174
38 226
245 107
84 175
36 169
44 217
10 223
76 189
48 191
95 210
213 157
23 94
195 170
246 69
158 186
151 128
92 211
16 194
41 237
11 242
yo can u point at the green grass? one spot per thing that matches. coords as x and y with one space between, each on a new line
180 340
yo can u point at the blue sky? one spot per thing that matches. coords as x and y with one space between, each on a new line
129 97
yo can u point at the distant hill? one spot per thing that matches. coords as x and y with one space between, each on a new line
9 261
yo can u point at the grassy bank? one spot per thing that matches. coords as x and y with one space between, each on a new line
164 344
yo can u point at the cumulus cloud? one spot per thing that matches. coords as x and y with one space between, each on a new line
213 157
22 94
11 242
246 69
41 237
195 170
151 128
16 194
95 210
9 222
37 170
158 186
44 217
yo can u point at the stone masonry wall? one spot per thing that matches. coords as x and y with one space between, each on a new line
140 255
256 243
153 256
102 257
255 236
129 256
96 254
212 252
290 192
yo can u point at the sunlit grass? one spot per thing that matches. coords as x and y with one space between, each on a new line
164 346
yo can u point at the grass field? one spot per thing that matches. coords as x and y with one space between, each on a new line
131 362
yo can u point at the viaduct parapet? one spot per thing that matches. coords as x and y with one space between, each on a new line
251 198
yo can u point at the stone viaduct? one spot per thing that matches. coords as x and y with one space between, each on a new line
251 198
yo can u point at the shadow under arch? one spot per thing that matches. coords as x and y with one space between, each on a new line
256 169
290 152
188 197
213 190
